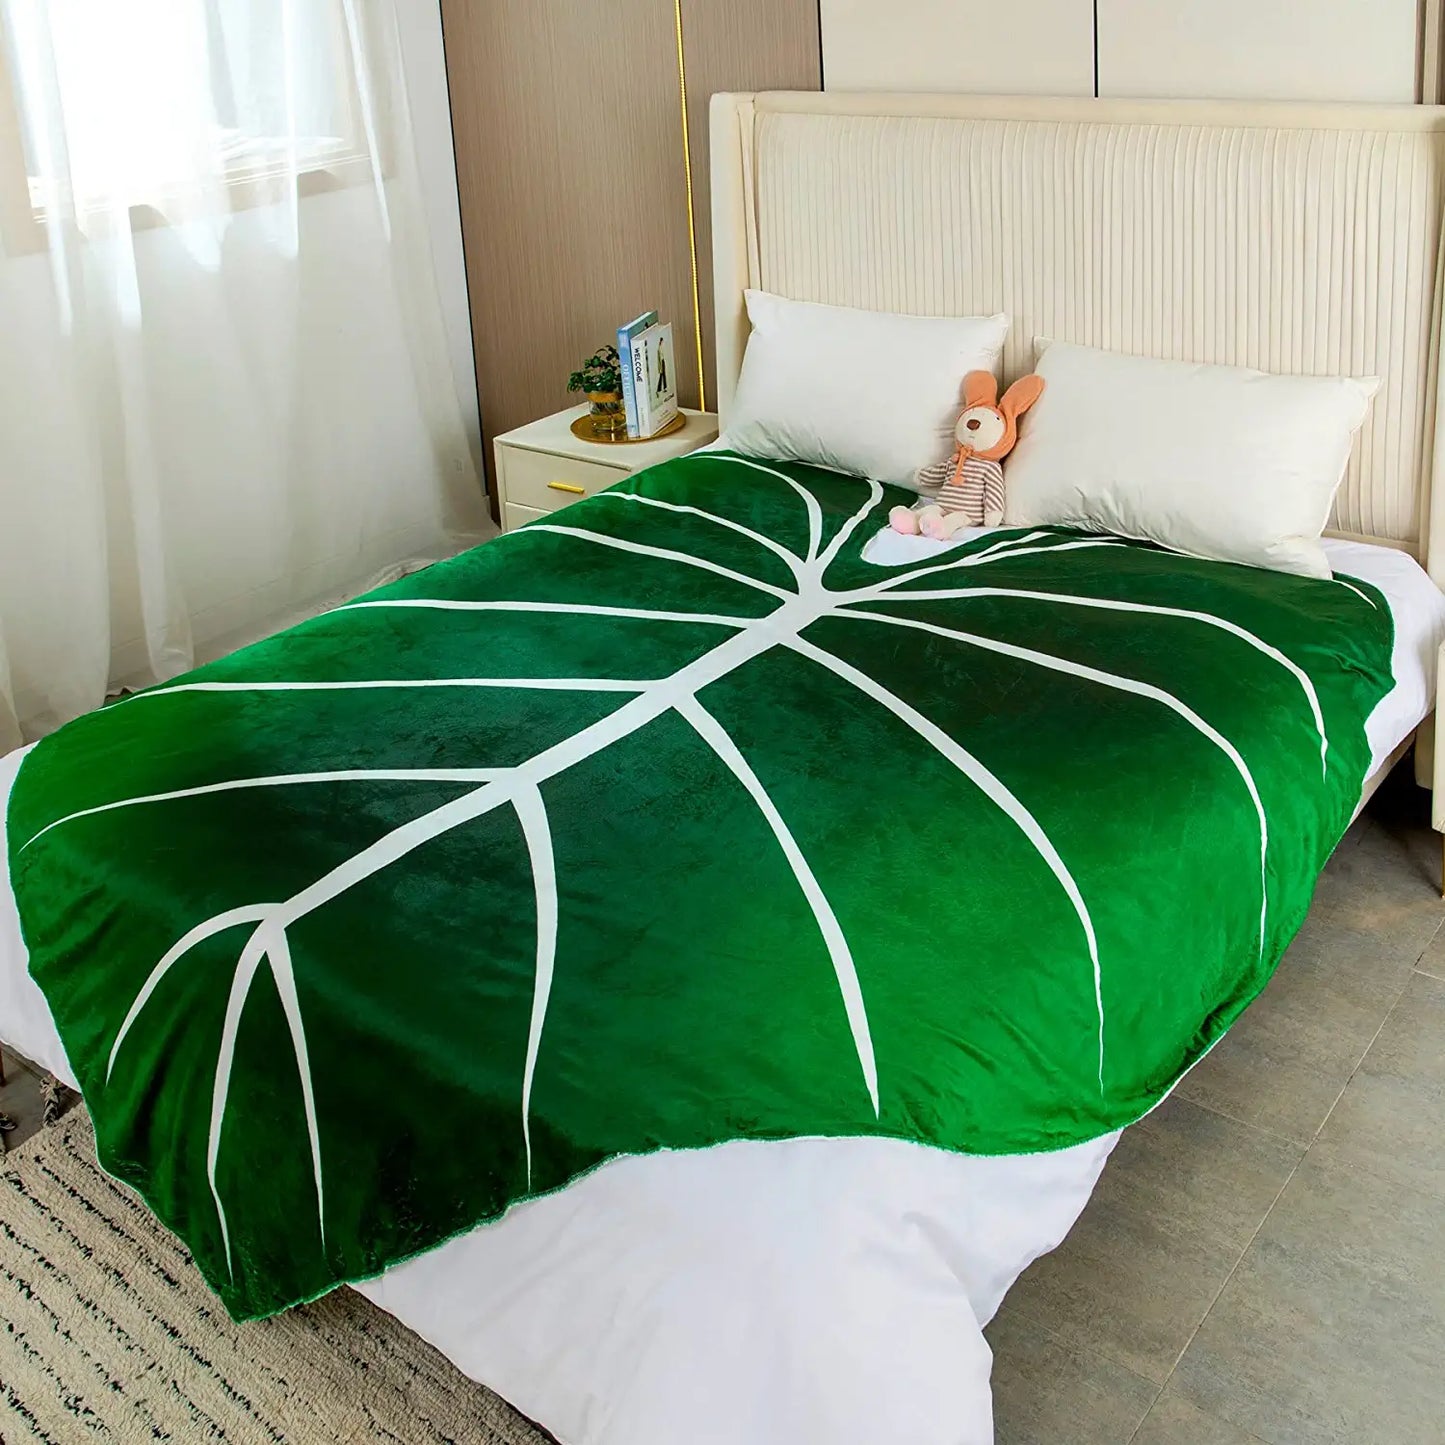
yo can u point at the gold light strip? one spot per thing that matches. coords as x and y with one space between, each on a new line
691 226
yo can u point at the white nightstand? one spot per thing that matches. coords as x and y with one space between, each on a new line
542 467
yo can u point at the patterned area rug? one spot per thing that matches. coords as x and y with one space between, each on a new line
107 1333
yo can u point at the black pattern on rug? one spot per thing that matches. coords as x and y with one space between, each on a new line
109 1334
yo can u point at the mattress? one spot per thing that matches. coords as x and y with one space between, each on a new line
806 1288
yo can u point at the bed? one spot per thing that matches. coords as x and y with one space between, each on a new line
741 1268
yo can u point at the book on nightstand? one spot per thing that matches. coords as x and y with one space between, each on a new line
654 378
626 336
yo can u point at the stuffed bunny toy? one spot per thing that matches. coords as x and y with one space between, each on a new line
970 483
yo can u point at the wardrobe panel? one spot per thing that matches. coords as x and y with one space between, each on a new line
1024 47
570 168
1340 50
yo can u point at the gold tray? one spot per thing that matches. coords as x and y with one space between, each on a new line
582 429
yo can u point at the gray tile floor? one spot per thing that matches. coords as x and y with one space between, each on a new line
21 1099
1264 1258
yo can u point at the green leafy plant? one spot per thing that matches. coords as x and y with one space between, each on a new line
600 372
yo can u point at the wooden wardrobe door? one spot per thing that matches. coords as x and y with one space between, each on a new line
573 194
568 122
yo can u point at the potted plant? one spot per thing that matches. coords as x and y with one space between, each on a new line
600 377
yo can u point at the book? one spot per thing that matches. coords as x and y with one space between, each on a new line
654 378
639 383
626 335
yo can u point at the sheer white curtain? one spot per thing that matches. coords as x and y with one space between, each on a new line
225 390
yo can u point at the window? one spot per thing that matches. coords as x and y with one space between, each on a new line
153 106
17 217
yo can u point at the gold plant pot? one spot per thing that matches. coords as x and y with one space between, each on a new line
608 415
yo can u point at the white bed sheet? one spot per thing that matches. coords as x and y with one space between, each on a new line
810 1289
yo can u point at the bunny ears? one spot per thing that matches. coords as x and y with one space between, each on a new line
980 388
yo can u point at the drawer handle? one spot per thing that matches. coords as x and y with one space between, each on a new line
568 487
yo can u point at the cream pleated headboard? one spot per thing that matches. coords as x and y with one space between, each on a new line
1290 238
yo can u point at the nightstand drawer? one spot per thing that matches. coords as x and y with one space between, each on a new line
514 516
546 481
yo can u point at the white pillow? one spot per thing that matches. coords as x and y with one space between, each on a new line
1216 461
864 392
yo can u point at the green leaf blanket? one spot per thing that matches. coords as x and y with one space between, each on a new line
670 820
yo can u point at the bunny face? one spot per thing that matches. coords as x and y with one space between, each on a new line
980 428
988 426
